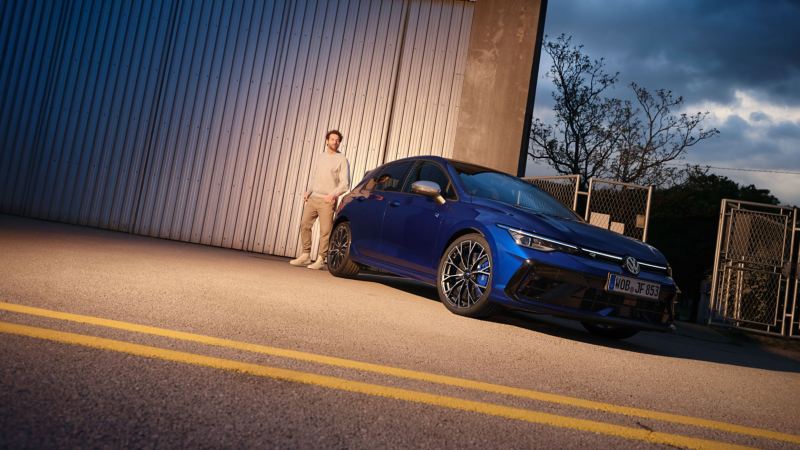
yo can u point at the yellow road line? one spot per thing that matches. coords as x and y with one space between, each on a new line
409 374
364 388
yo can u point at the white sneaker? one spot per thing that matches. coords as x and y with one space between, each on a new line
302 260
318 264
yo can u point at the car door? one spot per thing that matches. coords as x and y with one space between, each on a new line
411 221
369 204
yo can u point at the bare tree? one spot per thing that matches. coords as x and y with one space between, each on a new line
595 135
583 136
652 136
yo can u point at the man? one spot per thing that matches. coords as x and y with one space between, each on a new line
329 180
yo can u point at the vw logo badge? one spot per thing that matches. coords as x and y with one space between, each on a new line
631 265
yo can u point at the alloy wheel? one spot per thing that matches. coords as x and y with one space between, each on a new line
466 273
338 247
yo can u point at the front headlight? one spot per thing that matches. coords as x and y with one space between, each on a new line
537 242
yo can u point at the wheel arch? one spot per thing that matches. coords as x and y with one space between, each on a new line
339 219
458 234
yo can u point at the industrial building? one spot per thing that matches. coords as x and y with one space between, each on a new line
199 120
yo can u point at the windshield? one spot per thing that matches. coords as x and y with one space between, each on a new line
484 183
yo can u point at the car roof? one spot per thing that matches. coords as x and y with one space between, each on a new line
442 160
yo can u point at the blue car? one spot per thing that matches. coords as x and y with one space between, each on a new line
488 240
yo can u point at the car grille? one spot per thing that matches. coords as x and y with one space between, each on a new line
558 287
617 260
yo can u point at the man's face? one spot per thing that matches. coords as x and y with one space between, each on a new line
333 141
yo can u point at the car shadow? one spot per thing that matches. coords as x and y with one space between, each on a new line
688 341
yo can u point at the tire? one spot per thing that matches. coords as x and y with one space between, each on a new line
609 331
467 262
339 262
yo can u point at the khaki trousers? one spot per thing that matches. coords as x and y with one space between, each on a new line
313 208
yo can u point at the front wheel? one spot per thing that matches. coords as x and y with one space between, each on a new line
339 262
464 278
609 331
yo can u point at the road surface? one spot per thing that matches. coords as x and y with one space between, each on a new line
115 340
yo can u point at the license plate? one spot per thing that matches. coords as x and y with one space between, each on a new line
632 286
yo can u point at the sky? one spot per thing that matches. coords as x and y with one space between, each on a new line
737 59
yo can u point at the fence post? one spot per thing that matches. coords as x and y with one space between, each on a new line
715 272
588 200
793 280
647 213
575 196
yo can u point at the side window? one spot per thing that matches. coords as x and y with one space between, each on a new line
431 172
367 185
390 178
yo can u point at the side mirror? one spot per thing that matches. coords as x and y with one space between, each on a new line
428 189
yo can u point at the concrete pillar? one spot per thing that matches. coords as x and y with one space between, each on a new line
499 83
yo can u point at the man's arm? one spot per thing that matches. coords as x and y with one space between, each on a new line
344 181
344 178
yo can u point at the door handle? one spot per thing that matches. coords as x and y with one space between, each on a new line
394 203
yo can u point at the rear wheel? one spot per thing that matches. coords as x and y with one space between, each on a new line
339 262
464 278
609 331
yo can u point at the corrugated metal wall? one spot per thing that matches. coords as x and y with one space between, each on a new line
199 120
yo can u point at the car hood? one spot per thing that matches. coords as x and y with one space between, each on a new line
588 237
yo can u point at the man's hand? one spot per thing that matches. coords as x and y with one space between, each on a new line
330 198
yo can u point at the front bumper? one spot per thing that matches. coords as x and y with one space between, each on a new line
542 288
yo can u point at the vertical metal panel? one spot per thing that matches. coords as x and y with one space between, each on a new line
218 111
294 154
191 225
201 120
101 67
28 39
453 94
202 165
329 77
162 153
431 71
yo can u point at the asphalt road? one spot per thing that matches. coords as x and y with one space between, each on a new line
114 340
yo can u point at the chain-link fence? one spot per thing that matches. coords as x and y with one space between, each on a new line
620 207
755 284
564 188
613 205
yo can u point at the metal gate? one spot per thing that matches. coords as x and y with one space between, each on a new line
613 205
755 279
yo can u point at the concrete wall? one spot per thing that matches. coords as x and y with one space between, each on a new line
503 47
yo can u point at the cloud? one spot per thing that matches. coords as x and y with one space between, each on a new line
782 186
759 116
746 103
737 59
701 49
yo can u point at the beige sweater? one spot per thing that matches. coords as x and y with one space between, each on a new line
331 175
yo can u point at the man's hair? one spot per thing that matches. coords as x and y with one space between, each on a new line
336 132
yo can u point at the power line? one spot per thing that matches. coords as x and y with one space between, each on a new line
738 169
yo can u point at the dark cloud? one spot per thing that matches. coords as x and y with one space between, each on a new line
705 51
734 147
760 116
699 49
788 131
